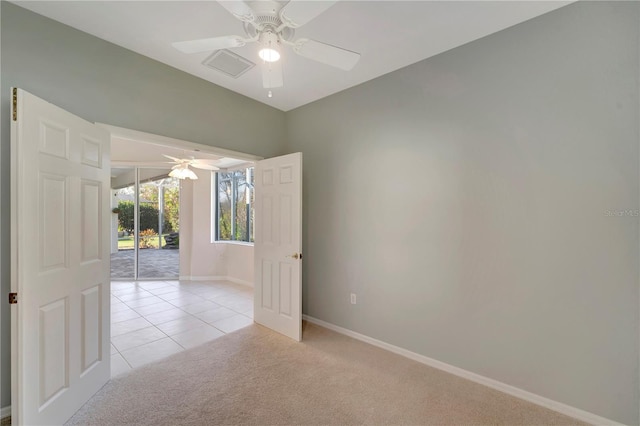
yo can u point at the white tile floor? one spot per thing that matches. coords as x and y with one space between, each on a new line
151 320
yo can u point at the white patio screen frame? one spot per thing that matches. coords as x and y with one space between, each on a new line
136 229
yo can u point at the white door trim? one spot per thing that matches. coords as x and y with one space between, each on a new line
139 136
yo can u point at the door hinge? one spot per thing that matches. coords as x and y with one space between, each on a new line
13 298
15 104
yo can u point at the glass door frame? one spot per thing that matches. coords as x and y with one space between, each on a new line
136 229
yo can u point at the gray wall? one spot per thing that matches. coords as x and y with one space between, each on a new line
102 82
471 201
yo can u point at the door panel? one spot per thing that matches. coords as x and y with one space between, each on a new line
267 221
91 208
53 224
60 223
91 152
91 331
286 288
54 139
53 350
266 286
278 242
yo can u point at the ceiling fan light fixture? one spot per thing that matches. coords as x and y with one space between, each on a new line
183 173
269 55
269 51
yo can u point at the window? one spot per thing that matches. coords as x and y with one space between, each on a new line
234 205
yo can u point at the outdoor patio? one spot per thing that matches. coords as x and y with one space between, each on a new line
152 263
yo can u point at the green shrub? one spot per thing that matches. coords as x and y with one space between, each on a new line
145 238
148 218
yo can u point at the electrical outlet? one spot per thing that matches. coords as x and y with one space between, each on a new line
353 298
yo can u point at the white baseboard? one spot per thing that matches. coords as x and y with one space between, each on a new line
218 278
5 412
203 278
241 282
559 407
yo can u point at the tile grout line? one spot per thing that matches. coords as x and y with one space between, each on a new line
230 292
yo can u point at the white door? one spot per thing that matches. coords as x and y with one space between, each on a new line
60 261
278 244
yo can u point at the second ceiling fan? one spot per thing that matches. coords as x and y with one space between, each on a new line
272 24
181 168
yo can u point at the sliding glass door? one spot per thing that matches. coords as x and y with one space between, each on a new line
146 202
158 230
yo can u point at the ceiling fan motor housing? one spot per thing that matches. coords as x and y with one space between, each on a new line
265 23
269 38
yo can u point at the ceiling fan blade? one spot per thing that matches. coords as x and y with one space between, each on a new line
327 54
298 12
203 166
209 161
239 9
272 75
171 158
209 44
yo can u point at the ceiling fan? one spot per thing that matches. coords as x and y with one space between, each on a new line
272 24
181 168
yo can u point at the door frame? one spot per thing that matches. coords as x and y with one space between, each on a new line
136 135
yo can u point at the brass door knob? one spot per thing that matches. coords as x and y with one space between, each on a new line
296 256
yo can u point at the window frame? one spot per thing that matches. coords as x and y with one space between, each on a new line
215 228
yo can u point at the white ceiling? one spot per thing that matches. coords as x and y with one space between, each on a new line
389 35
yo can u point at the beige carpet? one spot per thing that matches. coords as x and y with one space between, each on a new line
255 376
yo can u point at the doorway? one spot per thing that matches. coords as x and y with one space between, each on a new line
153 315
162 227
